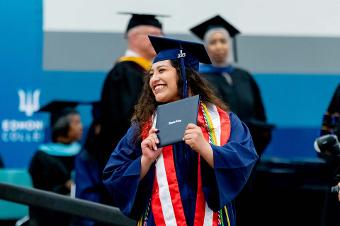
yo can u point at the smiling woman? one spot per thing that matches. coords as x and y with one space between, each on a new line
163 82
194 181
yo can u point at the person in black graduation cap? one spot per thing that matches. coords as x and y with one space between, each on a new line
193 182
331 125
235 86
52 164
124 82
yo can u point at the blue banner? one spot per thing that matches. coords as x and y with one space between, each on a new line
295 103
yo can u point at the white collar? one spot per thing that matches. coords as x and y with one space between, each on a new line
131 53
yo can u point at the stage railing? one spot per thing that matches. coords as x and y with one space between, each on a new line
64 204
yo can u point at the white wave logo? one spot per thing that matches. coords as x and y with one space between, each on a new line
29 101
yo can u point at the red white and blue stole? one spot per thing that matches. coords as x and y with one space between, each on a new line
166 203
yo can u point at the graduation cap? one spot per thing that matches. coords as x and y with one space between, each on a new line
189 54
216 22
58 109
143 19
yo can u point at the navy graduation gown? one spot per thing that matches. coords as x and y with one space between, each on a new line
89 185
232 166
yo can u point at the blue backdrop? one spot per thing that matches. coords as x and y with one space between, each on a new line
294 102
25 86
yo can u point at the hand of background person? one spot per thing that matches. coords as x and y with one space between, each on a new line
69 184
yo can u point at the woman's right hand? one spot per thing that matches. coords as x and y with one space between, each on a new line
150 152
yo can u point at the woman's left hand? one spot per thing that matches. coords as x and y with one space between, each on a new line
193 137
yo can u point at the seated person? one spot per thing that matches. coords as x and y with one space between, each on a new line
52 164
331 125
331 122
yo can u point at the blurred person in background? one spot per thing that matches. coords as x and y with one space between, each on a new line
88 171
1 163
339 192
239 90
331 126
124 82
53 163
235 86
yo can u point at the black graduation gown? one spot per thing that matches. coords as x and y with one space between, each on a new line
238 89
331 119
1 163
121 91
331 125
50 173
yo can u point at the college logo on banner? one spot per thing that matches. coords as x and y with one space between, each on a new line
28 130
29 101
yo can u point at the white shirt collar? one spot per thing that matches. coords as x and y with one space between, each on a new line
131 53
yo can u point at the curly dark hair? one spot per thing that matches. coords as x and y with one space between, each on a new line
147 103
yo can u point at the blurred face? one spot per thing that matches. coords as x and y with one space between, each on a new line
163 82
218 48
141 41
76 128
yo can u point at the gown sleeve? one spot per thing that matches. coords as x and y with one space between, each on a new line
121 176
1 163
120 93
260 113
330 120
233 163
334 105
88 178
260 130
89 185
